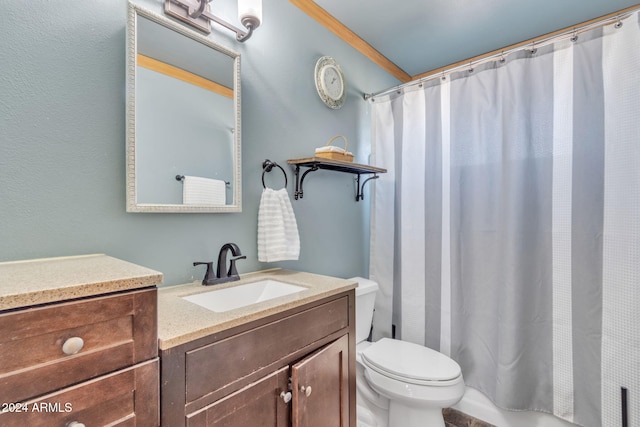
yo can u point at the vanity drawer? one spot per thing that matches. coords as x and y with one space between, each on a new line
216 365
125 398
115 331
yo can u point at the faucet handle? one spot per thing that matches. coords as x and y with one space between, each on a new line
209 275
232 267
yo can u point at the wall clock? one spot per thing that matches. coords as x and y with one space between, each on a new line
330 82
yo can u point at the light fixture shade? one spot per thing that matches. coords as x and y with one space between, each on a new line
250 11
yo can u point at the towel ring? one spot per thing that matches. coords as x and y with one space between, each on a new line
267 165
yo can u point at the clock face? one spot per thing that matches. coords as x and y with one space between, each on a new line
330 82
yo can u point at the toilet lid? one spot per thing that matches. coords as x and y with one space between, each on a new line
411 361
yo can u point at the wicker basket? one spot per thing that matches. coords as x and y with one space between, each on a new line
335 155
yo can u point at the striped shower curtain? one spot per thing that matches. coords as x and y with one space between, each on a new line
506 232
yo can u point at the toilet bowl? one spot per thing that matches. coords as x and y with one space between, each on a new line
399 383
371 407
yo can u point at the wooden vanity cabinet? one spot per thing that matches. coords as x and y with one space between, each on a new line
90 361
295 368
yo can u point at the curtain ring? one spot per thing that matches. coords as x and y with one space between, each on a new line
618 24
502 58
195 13
470 67
574 38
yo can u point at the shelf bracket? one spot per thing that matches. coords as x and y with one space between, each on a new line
315 163
360 188
300 180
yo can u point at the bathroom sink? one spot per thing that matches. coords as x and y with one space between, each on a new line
221 300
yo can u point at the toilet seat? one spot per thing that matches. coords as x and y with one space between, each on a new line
410 363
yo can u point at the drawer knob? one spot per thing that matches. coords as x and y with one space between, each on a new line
75 424
286 396
72 346
306 390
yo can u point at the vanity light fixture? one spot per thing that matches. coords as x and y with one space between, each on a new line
197 14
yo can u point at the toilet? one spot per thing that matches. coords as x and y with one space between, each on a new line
399 384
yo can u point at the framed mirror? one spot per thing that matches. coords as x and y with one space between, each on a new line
183 137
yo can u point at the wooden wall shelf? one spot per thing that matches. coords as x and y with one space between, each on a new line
315 163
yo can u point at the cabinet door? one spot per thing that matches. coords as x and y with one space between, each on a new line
257 405
320 385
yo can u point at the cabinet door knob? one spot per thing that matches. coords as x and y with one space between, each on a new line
306 390
286 396
72 346
75 424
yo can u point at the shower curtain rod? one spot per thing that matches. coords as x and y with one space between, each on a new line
500 54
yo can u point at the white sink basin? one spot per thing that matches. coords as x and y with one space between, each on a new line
221 300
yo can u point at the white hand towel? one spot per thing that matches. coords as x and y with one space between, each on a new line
278 238
203 191
332 149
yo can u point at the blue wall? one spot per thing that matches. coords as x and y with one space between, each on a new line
62 139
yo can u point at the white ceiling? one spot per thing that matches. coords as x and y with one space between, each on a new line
422 35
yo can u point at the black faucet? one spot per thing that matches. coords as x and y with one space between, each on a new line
222 276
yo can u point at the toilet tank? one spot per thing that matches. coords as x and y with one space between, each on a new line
365 301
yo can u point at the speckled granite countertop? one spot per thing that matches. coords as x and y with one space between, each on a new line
180 321
39 281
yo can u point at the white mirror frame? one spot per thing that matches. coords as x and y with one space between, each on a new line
132 204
